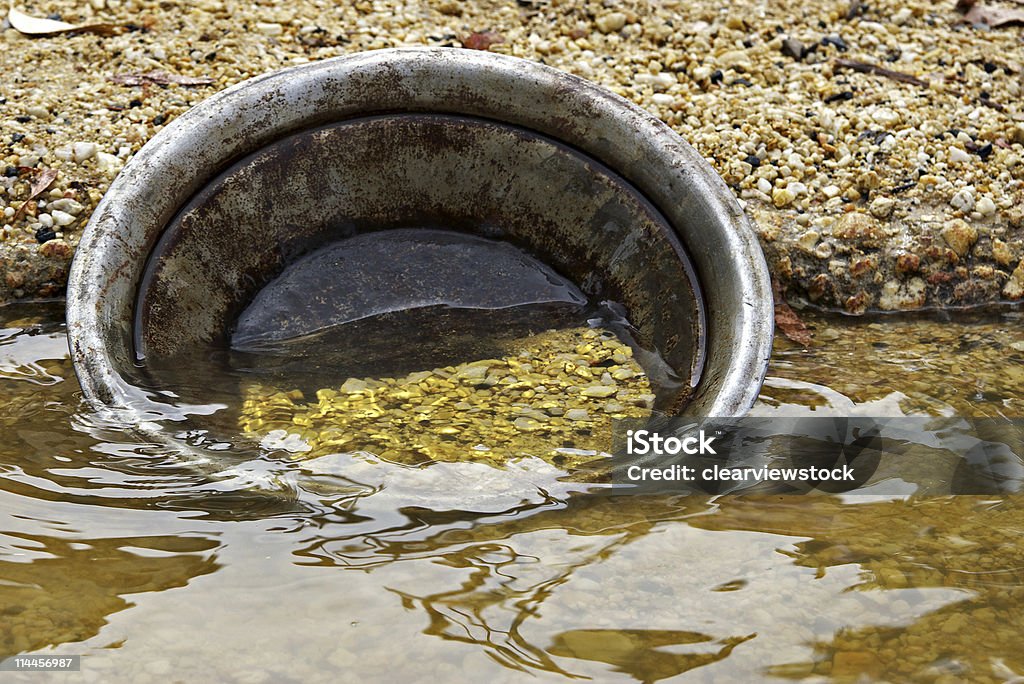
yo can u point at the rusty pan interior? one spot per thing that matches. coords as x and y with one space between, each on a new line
400 171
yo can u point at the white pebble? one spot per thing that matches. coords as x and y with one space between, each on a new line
82 151
764 185
662 99
614 21
46 220
62 218
831 191
881 207
985 206
958 156
661 79
734 58
885 116
963 199
67 204
269 28
108 163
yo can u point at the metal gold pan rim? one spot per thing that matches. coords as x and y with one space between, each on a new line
186 154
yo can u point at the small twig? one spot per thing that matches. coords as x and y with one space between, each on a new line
866 68
158 77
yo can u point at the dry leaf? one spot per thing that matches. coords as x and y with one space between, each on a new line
482 40
786 320
159 78
35 26
46 177
993 17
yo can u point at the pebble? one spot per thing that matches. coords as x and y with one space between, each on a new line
808 240
881 207
610 22
960 236
963 199
782 197
269 28
107 163
577 414
67 204
885 116
62 218
902 16
599 391
957 155
734 58
791 47
661 80
353 385
82 151
985 206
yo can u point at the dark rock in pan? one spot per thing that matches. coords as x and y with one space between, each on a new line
396 270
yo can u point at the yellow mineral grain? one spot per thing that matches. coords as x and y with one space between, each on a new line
553 396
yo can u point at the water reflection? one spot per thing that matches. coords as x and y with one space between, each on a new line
55 589
244 567
640 653
904 548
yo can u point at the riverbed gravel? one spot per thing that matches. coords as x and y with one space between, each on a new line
879 146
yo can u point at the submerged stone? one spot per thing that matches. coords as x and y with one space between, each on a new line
380 273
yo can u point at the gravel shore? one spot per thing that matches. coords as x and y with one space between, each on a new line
878 146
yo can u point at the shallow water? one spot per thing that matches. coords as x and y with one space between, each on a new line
250 568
